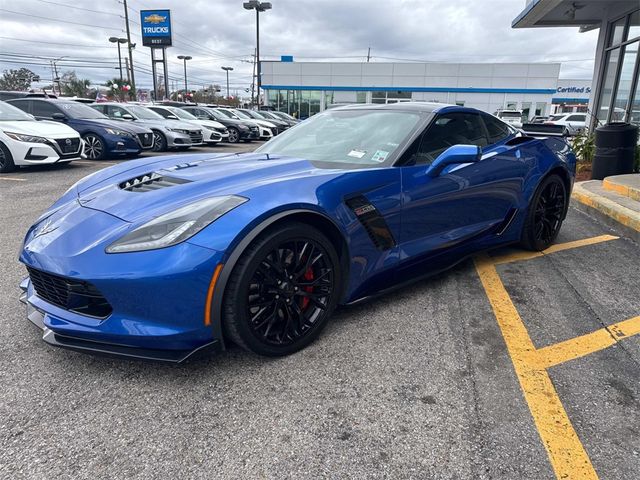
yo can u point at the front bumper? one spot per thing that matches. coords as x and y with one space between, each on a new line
37 317
35 153
178 139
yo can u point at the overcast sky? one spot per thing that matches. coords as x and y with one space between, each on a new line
221 32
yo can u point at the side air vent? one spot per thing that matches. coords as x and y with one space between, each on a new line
372 221
151 181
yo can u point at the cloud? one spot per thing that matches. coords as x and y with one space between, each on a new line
217 33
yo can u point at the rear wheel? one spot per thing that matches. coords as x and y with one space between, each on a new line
234 135
94 147
6 160
282 291
545 214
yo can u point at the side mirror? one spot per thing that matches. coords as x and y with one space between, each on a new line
454 155
172 117
127 116
60 117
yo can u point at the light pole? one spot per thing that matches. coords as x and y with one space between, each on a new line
258 7
227 69
119 41
184 58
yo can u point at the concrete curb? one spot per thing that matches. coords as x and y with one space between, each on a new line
622 185
609 212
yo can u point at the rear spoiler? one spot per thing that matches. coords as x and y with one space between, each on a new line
544 130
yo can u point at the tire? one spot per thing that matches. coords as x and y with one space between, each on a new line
6 160
94 147
159 142
545 214
275 305
234 135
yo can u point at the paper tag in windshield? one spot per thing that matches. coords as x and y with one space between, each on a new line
380 156
357 153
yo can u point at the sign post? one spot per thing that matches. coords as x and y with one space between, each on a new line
156 34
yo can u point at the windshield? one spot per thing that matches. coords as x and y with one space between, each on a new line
251 114
283 115
78 110
366 138
180 113
268 115
227 113
144 113
243 115
9 113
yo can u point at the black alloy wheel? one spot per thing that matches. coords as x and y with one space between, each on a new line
546 214
282 291
94 147
6 160
159 142
234 135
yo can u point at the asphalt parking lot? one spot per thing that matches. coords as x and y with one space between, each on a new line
510 366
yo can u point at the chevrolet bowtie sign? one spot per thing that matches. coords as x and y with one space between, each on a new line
156 28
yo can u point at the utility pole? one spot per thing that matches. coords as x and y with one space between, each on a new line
56 79
253 75
126 66
369 55
130 47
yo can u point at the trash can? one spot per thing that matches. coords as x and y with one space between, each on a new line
615 149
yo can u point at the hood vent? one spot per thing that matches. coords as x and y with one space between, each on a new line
151 181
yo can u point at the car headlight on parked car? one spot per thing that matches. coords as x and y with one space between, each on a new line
180 130
21 137
176 226
120 133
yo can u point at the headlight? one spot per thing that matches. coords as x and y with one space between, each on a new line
243 127
120 133
177 226
180 130
26 138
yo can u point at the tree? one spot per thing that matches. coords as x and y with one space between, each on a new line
120 89
72 86
18 80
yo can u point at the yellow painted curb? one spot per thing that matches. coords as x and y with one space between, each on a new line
621 189
619 213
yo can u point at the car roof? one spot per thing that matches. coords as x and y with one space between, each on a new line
425 107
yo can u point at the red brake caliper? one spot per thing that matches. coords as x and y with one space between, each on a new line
308 276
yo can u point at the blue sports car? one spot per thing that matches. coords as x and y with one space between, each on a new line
166 257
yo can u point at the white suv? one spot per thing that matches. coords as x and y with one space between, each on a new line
574 122
26 141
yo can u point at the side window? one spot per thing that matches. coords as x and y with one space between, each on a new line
162 111
116 112
576 118
448 130
100 108
496 129
44 109
25 106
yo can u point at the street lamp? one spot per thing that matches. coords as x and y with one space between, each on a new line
184 58
119 41
227 69
258 7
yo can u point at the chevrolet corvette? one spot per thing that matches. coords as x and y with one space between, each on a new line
164 258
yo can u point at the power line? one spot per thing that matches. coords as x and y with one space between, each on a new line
58 20
79 8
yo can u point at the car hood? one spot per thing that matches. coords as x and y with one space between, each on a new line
108 123
39 128
187 179
210 124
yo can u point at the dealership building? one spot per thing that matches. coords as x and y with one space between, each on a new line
572 96
615 88
306 88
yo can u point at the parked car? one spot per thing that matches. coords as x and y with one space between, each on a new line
11 95
573 122
213 132
188 254
512 117
267 130
539 119
103 138
239 130
272 117
281 125
25 141
167 134
286 117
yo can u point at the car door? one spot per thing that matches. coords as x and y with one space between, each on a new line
465 201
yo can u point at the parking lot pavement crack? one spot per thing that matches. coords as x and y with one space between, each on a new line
592 310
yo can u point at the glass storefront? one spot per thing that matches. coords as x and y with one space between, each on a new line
305 103
619 92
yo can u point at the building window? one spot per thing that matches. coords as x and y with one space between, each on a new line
541 109
393 96
619 82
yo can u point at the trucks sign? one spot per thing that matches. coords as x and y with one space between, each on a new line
156 28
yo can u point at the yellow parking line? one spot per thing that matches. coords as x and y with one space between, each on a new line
566 453
517 256
591 342
14 179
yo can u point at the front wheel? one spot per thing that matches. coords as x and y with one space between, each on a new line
6 160
234 135
545 214
94 147
282 291
159 142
